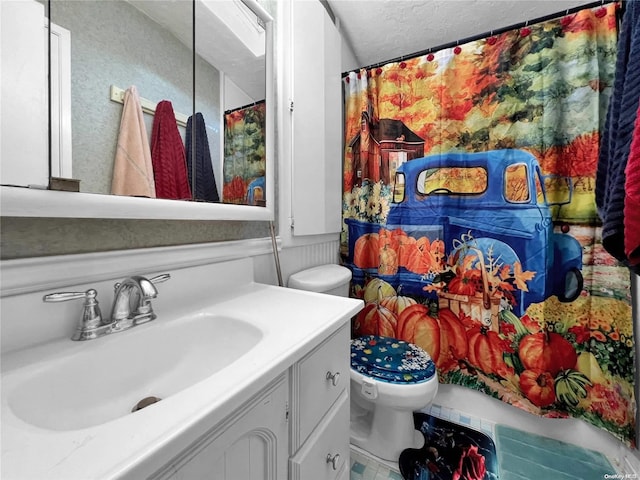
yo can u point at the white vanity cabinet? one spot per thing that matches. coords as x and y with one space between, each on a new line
297 428
251 445
320 411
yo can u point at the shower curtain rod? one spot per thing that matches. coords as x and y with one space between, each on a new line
252 104
486 34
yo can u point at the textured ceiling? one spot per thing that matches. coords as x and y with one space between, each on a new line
380 30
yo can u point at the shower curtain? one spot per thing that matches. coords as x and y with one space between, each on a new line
470 224
244 163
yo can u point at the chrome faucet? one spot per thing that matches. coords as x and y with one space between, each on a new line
131 306
132 301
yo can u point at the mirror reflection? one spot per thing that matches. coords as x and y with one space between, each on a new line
150 115
231 36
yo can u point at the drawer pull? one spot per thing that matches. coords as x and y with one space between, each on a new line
333 460
334 377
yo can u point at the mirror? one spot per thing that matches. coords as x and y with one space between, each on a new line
232 74
232 37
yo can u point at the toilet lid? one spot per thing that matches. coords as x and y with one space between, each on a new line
391 360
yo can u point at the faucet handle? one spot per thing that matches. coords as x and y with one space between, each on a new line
160 278
65 296
157 279
91 320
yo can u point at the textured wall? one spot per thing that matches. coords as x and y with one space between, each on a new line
34 237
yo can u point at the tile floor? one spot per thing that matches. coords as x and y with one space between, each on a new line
363 467
366 468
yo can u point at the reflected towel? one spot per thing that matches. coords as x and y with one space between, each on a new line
132 168
199 161
632 200
167 155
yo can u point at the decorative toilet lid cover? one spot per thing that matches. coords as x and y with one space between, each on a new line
391 360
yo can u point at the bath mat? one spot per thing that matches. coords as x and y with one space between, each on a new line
450 452
525 455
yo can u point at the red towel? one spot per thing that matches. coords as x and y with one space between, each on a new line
167 155
632 198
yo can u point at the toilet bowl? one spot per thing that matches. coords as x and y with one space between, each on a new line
390 378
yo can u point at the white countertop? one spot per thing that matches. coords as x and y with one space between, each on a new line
137 445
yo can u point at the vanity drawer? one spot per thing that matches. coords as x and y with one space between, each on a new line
322 376
325 456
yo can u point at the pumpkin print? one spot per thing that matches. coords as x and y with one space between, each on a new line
547 352
486 351
426 257
366 251
453 339
538 387
467 283
421 260
443 337
571 387
374 319
388 261
388 238
235 190
378 289
437 253
407 245
416 326
397 303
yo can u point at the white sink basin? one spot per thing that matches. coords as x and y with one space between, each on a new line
102 380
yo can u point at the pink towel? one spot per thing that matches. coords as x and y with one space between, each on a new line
167 154
132 168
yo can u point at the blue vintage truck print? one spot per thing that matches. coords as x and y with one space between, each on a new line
471 224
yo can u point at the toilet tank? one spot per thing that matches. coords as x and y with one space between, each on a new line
331 279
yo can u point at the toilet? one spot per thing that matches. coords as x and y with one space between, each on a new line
390 378
331 279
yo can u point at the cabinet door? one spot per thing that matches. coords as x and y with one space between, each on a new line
252 446
316 121
325 455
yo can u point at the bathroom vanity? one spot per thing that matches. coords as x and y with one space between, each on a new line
309 405
253 378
